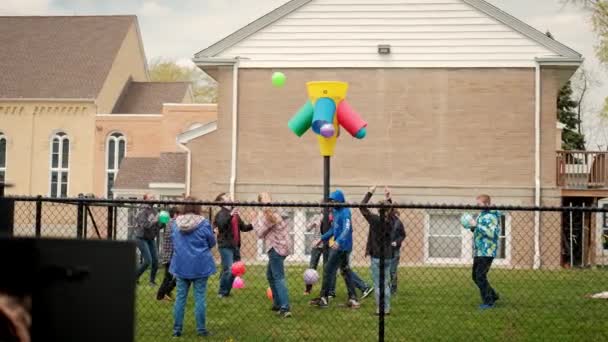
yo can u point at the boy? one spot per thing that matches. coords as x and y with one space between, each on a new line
168 284
341 231
486 231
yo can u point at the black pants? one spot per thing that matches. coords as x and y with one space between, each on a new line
481 267
168 284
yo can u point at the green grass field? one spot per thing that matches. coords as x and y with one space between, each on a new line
432 304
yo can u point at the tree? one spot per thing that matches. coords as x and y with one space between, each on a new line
204 88
572 139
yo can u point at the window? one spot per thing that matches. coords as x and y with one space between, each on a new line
115 152
447 242
2 157
60 161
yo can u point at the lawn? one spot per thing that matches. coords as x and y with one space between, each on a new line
432 304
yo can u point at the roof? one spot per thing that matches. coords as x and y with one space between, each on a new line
59 57
148 97
138 173
480 5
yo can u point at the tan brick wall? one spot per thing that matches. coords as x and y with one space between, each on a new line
129 62
147 135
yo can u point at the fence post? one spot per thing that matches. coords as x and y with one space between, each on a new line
382 283
110 222
38 224
80 220
7 214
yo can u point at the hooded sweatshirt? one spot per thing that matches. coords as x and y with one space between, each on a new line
341 228
224 222
192 242
486 233
146 223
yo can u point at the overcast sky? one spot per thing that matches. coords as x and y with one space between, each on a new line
179 28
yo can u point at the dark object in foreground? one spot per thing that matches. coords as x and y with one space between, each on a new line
79 290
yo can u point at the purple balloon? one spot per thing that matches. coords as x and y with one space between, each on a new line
327 130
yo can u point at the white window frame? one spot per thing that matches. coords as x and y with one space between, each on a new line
114 171
466 242
62 136
3 168
297 229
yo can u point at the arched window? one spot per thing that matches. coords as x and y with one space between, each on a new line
115 152
2 157
60 162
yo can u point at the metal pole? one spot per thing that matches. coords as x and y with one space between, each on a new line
38 225
326 179
583 239
571 240
80 220
110 223
382 284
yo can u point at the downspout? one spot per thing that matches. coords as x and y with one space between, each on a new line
235 104
188 164
537 165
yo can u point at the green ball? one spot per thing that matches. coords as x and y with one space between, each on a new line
164 217
278 79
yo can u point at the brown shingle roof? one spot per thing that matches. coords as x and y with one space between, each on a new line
138 173
58 57
148 97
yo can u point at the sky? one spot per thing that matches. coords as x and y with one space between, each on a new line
177 29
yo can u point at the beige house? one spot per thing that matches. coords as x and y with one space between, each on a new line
75 98
460 98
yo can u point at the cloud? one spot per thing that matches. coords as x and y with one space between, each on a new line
25 7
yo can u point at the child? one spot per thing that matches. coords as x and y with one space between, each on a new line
339 255
168 284
379 246
271 227
486 231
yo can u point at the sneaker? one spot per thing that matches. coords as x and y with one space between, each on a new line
386 313
323 303
285 314
177 334
315 301
275 308
367 292
332 295
307 293
221 296
486 306
168 298
353 304
205 333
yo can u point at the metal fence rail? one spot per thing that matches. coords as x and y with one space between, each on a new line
434 295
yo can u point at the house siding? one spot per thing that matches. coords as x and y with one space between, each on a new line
429 33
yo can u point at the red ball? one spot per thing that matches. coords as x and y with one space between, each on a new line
238 269
269 293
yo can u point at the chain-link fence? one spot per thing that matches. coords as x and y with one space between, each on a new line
543 266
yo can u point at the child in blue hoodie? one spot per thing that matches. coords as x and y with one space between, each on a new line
342 233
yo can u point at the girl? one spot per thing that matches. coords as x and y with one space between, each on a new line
271 227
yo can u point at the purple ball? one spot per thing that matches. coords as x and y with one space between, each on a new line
327 130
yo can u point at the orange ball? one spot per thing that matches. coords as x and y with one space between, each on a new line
269 293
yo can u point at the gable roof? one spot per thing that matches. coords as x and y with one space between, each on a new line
481 5
139 173
148 97
67 57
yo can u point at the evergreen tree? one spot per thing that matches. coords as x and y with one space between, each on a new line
566 114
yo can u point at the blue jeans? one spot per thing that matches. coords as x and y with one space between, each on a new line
229 255
394 266
200 304
337 259
275 273
358 282
387 282
149 254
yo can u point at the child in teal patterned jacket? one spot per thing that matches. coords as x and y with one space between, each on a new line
486 232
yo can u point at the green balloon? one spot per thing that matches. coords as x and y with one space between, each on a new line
278 79
164 217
